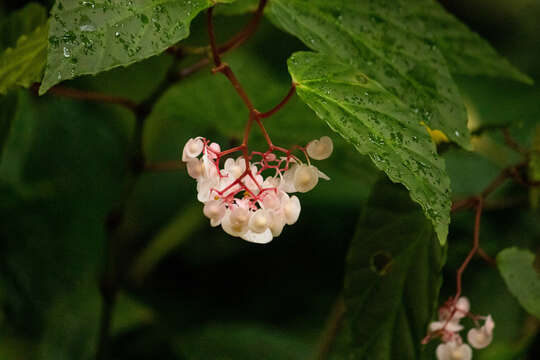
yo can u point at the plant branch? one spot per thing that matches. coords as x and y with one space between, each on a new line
116 232
476 245
281 104
333 324
247 32
231 44
512 143
92 96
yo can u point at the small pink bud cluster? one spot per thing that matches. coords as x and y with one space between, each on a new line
448 327
238 197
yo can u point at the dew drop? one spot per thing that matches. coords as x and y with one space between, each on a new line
87 27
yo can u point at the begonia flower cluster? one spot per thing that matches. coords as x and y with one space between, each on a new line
448 327
250 196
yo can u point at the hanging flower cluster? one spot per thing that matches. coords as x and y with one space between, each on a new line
448 327
238 197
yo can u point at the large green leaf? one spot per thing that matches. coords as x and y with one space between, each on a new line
372 37
464 50
21 22
87 37
517 269
534 169
23 65
8 108
379 124
392 280
51 157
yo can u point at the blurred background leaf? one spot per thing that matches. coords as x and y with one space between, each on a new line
517 267
392 280
205 294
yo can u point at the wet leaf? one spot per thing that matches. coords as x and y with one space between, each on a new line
387 312
378 124
87 37
374 38
464 50
517 267
23 65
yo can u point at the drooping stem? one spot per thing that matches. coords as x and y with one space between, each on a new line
332 327
476 245
116 234
281 104
232 43
84 95
246 33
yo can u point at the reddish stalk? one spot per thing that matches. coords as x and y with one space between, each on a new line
476 245
88 96
512 143
246 33
281 104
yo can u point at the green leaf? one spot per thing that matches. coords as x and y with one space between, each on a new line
23 65
239 7
392 280
522 279
8 108
87 37
534 169
378 124
373 38
241 342
21 22
465 51
51 157
169 238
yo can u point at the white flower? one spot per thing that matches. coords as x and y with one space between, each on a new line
462 308
214 210
286 183
235 168
320 149
260 221
271 200
454 351
216 149
253 185
277 222
195 168
291 209
481 337
452 325
259 238
235 222
305 178
205 188
192 149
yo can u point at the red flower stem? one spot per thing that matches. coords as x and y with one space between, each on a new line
264 132
232 150
476 245
212 37
246 33
77 94
281 104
